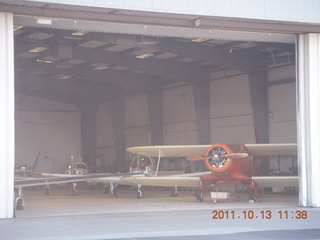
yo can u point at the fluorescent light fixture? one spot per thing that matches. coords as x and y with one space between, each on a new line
143 56
79 33
44 61
17 27
101 68
199 40
44 21
72 38
37 50
63 77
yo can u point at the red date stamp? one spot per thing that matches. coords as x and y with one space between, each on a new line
264 214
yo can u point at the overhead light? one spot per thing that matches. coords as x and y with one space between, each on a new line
143 56
63 77
44 61
17 27
101 68
44 21
79 33
199 40
72 38
37 50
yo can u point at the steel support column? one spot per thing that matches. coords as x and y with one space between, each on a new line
155 105
88 136
308 118
6 116
259 102
118 124
201 99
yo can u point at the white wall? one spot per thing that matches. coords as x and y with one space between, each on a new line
282 117
179 116
282 106
50 127
231 111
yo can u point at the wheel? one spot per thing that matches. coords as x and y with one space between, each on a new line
252 198
199 194
114 194
19 205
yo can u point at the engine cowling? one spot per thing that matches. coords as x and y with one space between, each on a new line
215 160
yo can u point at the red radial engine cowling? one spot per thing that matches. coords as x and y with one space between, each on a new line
216 162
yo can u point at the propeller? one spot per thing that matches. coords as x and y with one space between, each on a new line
230 155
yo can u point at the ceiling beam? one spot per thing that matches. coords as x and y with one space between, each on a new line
217 55
159 68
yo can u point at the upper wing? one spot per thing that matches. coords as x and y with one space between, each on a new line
170 151
277 149
193 150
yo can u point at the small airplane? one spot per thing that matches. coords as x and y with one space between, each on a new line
45 179
141 166
227 163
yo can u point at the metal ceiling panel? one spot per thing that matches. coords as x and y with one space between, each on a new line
161 31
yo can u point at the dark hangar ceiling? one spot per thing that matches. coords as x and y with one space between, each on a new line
81 66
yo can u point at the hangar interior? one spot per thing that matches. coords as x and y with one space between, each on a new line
85 93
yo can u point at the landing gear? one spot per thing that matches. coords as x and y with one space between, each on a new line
139 193
199 194
252 197
74 189
113 189
19 200
174 192
47 190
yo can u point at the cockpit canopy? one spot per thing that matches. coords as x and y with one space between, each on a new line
141 162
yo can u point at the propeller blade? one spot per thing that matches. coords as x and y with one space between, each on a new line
235 155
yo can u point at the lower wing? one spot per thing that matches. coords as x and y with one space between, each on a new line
276 181
163 181
65 178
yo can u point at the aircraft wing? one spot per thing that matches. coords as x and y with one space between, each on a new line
194 150
276 149
168 181
64 178
276 181
170 151
181 180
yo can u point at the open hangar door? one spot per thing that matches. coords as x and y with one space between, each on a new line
135 78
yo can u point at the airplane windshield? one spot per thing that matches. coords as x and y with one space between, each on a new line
140 163
82 166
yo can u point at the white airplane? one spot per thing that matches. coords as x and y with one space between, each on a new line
227 163
46 179
142 166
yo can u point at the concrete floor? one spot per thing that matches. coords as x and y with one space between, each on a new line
93 215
